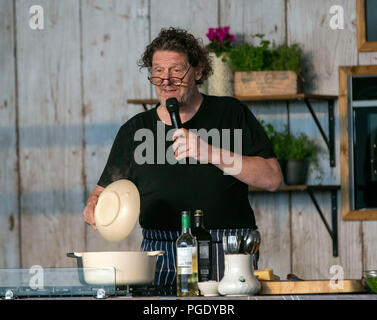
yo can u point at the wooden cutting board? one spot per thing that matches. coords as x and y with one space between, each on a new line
309 287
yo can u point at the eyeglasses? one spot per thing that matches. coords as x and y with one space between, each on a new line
175 81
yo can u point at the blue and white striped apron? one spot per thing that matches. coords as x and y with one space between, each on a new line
166 272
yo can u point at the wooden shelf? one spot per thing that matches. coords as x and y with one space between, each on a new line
299 188
333 230
142 101
298 96
292 97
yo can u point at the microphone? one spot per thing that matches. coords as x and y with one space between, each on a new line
173 107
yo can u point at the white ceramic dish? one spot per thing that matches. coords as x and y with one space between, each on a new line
117 210
131 267
208 288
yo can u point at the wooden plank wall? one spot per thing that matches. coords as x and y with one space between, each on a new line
324 50
114 34
65 98
50 133
9 208
271 210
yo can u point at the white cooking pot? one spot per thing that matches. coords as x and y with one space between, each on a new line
131 267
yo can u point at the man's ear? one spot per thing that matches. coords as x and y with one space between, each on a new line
198 73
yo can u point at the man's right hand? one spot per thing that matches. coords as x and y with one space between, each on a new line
88 214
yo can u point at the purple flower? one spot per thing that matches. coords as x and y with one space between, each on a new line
220 34
220 38
211 34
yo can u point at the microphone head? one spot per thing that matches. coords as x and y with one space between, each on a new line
172 104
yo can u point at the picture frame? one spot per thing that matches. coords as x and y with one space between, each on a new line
344 74
362 24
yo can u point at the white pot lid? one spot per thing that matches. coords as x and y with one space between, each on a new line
117 210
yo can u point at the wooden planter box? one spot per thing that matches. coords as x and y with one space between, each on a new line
261 83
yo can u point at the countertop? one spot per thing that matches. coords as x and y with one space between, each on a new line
340 296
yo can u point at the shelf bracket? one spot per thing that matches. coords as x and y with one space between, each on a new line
333 231
330 140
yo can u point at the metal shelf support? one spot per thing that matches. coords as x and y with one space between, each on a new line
330 140
333 231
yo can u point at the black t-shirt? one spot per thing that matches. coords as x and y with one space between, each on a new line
167 189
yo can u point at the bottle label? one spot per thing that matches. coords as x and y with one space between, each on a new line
184 257
204 249
185 270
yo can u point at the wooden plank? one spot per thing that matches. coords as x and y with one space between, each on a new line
50 134
248 18
114 36
195 16
310 287
311 244
369 238
360 25
369 214
273 220
312 31
367 58
9 215
285 188
142 101
271 210
299 96
344 150
264 83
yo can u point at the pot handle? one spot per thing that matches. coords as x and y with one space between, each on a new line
74 254
155 253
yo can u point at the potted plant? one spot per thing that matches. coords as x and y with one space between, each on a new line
295 153
264 70
221 82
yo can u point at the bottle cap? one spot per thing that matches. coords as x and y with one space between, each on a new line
198 213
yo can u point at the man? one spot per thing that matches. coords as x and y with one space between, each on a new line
236 154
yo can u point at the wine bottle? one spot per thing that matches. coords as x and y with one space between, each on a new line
204 239
187 260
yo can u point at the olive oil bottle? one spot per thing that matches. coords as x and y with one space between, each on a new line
187 260
204 240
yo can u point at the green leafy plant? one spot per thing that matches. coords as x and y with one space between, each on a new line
247 57
287 146
287 58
